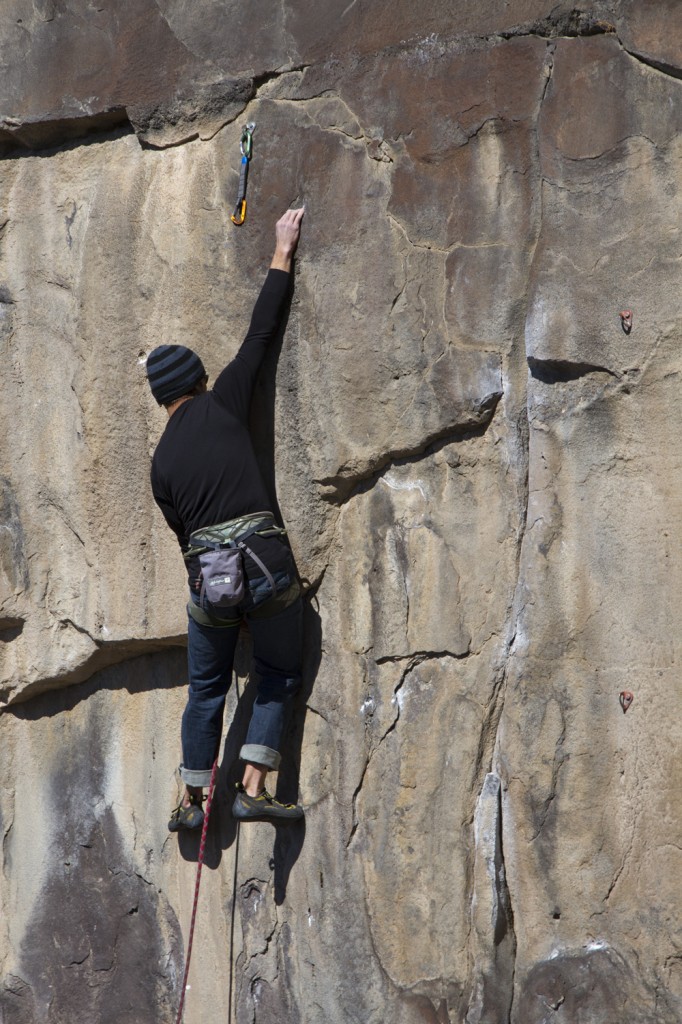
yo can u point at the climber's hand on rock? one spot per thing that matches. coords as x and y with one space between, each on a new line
287 232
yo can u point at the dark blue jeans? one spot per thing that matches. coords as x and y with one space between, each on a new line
277 644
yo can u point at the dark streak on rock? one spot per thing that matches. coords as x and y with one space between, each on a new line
591 985
28 137
95 948
16 1001
558 371
13 562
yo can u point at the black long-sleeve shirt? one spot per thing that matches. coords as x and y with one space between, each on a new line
204 469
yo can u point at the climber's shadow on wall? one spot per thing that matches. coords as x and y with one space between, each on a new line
222 832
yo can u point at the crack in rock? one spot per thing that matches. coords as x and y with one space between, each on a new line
492 919
340 487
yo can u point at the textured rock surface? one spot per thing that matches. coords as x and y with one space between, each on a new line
479 469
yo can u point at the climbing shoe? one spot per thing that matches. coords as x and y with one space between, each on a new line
263 807
191 817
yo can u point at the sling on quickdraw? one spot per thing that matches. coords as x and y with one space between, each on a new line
246 145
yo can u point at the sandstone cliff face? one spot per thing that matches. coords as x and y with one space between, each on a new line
478 466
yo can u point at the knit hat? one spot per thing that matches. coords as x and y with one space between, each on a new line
172 371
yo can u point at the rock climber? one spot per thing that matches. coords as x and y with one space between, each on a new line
206 481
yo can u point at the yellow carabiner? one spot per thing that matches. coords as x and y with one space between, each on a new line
239 215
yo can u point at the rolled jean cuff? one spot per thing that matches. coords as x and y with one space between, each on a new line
195 778
260 755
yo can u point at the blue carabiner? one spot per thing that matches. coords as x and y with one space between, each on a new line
245 146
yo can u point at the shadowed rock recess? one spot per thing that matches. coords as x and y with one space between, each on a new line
481 473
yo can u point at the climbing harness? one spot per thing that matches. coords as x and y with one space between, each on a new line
200 862
213 545
245 146
626 698
261 523
626 320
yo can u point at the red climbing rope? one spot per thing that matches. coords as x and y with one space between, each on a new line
200 862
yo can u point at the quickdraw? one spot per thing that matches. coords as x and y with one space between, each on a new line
245 146
626 320
626 698
200 863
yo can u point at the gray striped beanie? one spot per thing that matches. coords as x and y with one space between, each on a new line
172 371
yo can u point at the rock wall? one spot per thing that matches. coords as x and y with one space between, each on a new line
479 468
